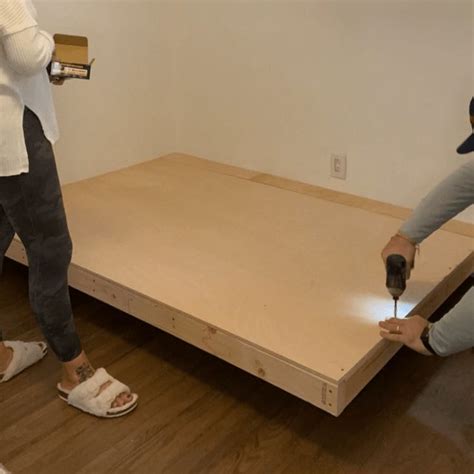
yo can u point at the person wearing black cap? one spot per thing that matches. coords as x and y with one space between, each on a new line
455 331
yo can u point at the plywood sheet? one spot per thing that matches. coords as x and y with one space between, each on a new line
294 278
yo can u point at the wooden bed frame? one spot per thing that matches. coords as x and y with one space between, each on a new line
279 278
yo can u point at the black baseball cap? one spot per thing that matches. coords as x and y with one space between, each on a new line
467 146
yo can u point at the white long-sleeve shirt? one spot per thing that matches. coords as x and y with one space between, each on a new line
25 51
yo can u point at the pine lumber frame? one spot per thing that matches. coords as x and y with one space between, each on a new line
323 392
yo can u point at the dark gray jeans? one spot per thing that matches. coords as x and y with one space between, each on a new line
31 205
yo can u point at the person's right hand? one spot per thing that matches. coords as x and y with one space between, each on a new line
400 245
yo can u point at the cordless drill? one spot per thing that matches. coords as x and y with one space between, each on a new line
397 271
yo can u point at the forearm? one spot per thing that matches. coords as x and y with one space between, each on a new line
446 200
455 332
29 51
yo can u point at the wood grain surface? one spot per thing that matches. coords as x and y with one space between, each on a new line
297 276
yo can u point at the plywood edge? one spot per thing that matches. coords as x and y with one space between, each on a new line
212 166
297 380
377 207
357 378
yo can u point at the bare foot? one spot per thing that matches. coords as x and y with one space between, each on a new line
79 370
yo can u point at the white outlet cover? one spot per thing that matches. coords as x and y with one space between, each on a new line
339 166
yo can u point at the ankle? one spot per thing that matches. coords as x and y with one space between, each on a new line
76 371
68 378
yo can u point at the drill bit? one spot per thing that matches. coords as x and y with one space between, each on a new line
395 306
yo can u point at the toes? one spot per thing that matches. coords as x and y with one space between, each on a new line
122 400
127 397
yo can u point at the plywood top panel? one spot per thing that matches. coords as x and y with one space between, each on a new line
298 276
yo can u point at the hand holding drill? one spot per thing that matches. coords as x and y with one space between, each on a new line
399 259
401 245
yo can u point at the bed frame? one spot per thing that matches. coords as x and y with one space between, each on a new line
279 278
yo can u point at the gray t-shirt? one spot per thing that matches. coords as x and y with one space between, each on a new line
454 332
445 201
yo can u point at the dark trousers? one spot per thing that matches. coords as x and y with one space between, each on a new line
31 205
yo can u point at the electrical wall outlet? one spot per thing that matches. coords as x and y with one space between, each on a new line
339 166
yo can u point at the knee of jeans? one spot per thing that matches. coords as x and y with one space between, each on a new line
57 252
69 245
65 251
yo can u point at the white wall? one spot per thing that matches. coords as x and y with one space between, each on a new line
274 86
125 114
278 86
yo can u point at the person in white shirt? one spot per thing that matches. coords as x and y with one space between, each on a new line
31 206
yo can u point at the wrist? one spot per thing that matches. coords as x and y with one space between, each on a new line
425 340
404 237
421 349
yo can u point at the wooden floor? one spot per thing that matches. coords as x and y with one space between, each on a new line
198 414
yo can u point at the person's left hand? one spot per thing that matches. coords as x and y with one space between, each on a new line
56 81
407 331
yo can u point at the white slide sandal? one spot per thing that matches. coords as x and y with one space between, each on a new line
86 396
25 354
